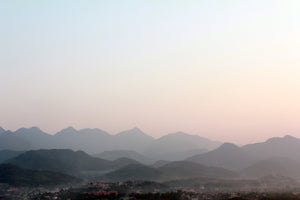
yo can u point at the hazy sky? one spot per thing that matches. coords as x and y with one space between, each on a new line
226 70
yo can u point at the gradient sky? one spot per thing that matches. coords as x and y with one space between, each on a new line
226 70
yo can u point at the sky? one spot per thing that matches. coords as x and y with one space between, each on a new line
225 70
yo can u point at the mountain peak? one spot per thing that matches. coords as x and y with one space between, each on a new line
228 146
133 131
135 134
94 131
32 130
2 130
136 129
69 130
179 133
289 137
278 139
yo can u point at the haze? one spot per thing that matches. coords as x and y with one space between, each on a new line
227 70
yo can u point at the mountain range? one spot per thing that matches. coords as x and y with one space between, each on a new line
134 155
170 171
276 156
117 154
66 161
228 156
80 164
273 166
94 141
287 146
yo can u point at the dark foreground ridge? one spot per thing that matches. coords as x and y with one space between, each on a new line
17 176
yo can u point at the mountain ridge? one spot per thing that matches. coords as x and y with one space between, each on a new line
95 141
228 156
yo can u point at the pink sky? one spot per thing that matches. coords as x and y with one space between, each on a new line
225 71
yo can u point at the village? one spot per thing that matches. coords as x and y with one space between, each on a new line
138 190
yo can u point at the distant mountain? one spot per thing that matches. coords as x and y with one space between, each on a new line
26 139
11 141
2 130
116 154
133 172
8 154
37 137
60 160
176 145
133 139
96 140
88 140
17 176
287 146
160 163
170 171
122 162
186 170
228 156
273 166
189 153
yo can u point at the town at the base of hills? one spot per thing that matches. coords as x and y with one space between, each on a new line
93 164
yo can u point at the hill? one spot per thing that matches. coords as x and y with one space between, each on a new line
133 172
8 154
133 139
25 139
273 166
122 162
116 154
287 146
160 163
228 156
186 170
2 130
176 146
17 176
170 171
60 160
88 140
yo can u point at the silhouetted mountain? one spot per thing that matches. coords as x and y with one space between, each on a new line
60 160
185 170
122 162
133 139
36 137
171 147
10 140
228 156
8 154
88 140
116 154
160 163
274 166
174 146
170 171
133 172
287 146
26 139
17 176
189 153
2 130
